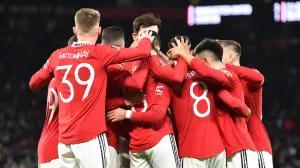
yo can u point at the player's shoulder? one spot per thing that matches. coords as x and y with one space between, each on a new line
229 73
189 74
158 60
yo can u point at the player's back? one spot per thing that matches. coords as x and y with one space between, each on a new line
257 130
196 119
145 136
47 147
233 126
81 82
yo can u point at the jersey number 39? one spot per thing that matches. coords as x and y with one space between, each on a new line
88 82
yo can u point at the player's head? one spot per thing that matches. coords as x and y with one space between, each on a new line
156 43
178 37
72 40
209 51
232 51
145 22
113 36
87 23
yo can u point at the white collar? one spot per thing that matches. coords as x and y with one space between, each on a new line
81 43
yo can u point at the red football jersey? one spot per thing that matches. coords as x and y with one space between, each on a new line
81 79
47 147
196 119
252 81
150 122
133 76
233 126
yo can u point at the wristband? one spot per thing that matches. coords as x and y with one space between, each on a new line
128 114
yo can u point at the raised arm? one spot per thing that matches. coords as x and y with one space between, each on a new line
112 54
165 72
42 77
138 71
221 77
233 103
252 76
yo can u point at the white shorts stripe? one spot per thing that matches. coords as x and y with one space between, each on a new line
101 140
261 160
175 151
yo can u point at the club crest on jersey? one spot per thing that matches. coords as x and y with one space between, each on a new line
158 90
115 47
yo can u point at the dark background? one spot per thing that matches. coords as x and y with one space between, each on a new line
30 32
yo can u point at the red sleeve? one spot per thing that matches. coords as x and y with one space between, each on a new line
221 77
114 103
165 72
233 103
117 72
112 54
139 72
43 76
253 77
157 112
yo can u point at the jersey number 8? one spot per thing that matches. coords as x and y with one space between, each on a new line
198 99
88 82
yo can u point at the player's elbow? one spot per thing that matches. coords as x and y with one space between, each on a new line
261 80
33 85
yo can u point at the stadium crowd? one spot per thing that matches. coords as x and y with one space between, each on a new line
24 42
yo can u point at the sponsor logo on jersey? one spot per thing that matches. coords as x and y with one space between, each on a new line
158 90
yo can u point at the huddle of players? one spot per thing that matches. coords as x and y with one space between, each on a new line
108 90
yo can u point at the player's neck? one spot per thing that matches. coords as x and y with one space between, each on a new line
89 39
217 65
236 63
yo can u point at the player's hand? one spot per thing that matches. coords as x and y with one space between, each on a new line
146 34
116 115
185 44
176 50
248 115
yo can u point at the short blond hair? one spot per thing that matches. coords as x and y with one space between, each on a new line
86 19
236 47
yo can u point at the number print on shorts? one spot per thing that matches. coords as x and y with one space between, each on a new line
198 99
54 105
88 82
144 109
